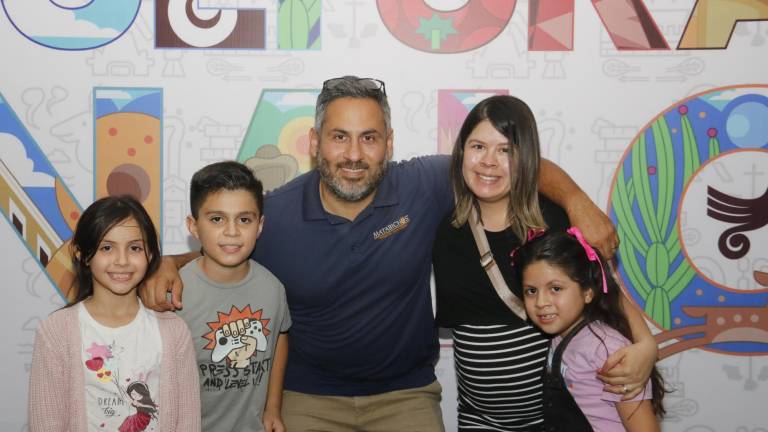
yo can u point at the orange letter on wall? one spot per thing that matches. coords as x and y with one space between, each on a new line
628 22
712 22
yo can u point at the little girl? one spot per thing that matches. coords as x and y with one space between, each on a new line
567 293
104 362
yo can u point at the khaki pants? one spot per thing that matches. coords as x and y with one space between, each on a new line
416 410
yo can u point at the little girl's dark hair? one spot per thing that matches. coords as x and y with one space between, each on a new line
563 251
93 225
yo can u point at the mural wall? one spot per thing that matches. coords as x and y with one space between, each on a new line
657 108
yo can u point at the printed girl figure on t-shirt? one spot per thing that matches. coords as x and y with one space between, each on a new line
146 408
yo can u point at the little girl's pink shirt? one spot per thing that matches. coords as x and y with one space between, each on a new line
583 357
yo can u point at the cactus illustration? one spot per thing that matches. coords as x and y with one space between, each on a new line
650 249
436 30
298 24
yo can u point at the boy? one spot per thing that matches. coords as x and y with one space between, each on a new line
235 308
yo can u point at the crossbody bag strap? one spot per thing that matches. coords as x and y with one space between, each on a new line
490 266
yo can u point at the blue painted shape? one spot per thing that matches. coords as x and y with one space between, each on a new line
93 25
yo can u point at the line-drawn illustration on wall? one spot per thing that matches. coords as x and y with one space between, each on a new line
751 375
628 66
613 140
130 61
34 99
677 403
220 140
755 31
70 131
670 260
355 34
552 130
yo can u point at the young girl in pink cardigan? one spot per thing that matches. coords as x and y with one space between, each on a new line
104 362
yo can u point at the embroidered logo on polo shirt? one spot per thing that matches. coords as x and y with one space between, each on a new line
392 228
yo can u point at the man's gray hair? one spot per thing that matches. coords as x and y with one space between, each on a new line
355 87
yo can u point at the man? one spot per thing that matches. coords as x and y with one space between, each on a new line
351 241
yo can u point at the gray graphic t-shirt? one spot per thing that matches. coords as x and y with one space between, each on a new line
234 328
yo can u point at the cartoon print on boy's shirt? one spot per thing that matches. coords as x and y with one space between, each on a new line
235 340
103 364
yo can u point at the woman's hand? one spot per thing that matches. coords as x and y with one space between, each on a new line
627 370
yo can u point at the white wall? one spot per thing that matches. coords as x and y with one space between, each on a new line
591 102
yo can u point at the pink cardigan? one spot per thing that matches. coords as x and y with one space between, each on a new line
57 379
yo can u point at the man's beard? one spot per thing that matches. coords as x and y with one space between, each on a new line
349 192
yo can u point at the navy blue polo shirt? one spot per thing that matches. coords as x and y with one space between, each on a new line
358 291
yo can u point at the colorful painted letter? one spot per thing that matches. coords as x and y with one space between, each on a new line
712 22
631 27
80 25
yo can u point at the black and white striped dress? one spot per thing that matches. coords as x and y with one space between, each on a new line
498 372
499 358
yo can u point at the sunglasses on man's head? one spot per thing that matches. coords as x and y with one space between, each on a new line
372 83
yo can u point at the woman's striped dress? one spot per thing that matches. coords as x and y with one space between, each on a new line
498 372
499 358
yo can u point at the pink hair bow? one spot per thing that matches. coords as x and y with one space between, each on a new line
535 233
591 254
530 235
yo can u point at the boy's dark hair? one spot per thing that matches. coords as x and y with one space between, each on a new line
227 175
93 225
563 251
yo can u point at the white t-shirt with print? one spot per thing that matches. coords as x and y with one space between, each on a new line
122 372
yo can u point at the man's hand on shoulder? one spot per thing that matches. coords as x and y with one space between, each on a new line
153 291
596 226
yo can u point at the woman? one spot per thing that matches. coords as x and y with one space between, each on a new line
499 357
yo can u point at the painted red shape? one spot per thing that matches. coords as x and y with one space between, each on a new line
424 28
94 364
629 24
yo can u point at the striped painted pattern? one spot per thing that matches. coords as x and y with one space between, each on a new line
498 372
